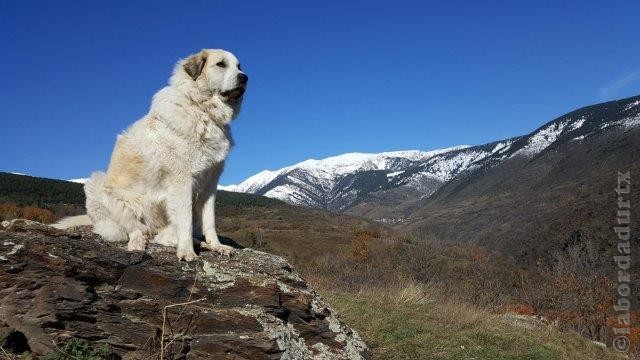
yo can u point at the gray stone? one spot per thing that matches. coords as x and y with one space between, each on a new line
56 285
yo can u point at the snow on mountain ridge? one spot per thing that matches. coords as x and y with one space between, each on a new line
577 124
446 170
631 105
252 183
335 182
338 165
542 139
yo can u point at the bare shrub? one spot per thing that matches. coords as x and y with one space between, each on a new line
10 211
575 290
468 275
252 236
361 244
37 214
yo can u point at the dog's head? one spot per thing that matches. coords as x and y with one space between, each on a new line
216 72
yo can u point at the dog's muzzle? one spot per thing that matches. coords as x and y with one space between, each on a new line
235 94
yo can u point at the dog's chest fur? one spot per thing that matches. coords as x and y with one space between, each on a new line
200 150
208 148
196 136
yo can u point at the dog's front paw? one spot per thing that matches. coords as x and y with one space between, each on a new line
219 248
186 254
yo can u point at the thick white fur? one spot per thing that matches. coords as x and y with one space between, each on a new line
164 170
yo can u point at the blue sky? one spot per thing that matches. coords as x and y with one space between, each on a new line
325 77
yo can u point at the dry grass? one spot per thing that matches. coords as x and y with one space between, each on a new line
420 301
409 321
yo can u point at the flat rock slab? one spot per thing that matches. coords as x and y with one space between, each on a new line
56 285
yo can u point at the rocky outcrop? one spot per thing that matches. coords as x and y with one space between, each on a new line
56 285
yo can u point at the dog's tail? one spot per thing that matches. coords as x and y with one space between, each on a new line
98 209
71 221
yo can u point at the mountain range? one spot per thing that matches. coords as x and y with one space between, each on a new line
384 186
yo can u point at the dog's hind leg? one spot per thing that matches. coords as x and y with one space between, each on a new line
167 236
137 241
110 231
102 219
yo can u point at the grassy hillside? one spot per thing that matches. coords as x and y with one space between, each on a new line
298 233
429 301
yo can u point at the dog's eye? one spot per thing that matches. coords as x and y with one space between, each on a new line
221 64
239 68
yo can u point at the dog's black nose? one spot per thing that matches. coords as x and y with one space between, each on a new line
243 78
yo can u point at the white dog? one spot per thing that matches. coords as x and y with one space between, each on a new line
161 182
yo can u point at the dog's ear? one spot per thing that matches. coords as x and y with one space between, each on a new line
194 65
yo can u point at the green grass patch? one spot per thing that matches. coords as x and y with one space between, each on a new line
75 349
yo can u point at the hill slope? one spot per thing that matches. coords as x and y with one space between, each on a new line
29 190
531 199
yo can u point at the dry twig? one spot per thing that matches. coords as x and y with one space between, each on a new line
164 315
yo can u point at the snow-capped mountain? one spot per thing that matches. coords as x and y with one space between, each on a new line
344 181
339 181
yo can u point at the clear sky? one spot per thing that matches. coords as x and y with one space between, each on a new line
325 77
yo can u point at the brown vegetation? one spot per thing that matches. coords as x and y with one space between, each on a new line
574 294
10 211
371 261
361 245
